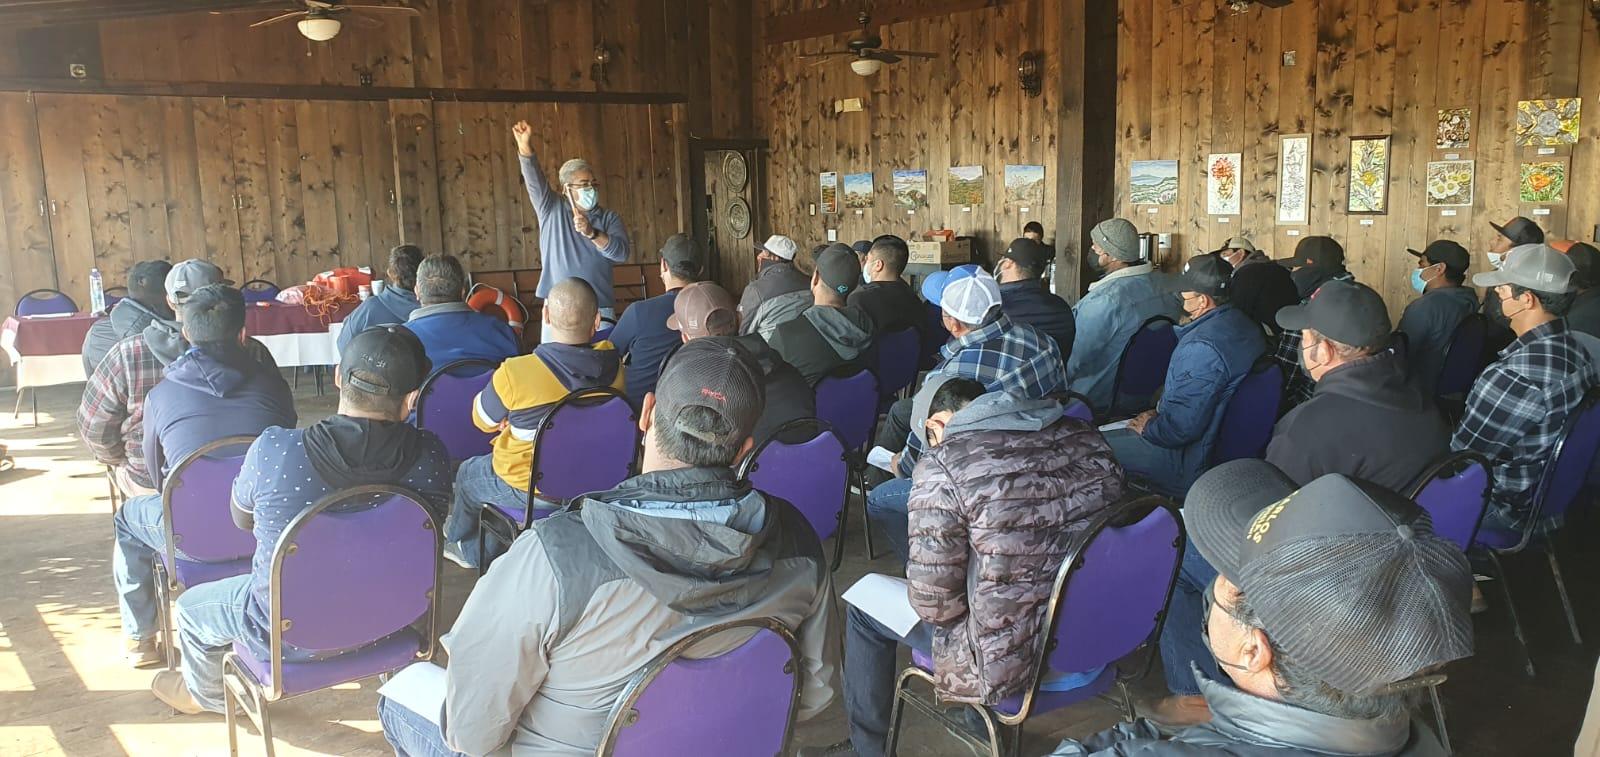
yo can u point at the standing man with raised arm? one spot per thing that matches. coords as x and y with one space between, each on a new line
577 237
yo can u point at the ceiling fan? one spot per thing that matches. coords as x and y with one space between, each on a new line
867 50
320 20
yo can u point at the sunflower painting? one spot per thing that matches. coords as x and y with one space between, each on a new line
1544 182
1369 175
1547 123
1449 183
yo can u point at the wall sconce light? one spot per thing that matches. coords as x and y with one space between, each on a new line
1028 73
602 56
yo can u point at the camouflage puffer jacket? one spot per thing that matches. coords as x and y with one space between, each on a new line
992 513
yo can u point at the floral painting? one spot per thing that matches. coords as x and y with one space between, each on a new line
1450 183
966 185
1025 185
1455 129
911 188
1222 183
1369 175
830 192
1547 123
1153 182
858 190
1294 178
1543 182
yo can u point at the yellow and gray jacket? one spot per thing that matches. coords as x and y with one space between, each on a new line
524 388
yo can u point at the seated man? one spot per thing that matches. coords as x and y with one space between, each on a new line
288 470
642 335
986 542
588 596
1430 321
1113 310
1033 230
1584 315
450 330
1026 298
779 292
1516 410
1169 446
392 304
111 413
1517 232
146 302
212 391
516 399
885 296
1322 599
703 310
1317 261
1260 287
830 335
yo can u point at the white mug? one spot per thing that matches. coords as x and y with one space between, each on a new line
377 286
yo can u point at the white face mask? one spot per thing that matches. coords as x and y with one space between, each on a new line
588 197
1497 259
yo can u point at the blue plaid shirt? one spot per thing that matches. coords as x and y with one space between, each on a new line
1003 355
1516 410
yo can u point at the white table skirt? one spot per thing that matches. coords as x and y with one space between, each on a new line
47 370
295 350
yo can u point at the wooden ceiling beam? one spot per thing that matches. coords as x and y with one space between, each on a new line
43 12
826 22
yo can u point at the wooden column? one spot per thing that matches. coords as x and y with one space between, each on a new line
1086 41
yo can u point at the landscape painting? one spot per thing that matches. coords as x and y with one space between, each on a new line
858 190
1222 183
911 188
1025 185
966 185
830 192
1153 182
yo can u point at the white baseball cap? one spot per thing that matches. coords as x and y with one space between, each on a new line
780 245
971 299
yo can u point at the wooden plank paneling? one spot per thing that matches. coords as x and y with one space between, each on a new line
24 218
61 121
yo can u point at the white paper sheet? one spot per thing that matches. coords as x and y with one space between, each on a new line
881 458
1115 425
885 599
419 688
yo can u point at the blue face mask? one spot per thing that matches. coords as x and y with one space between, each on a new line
588 197
1416 280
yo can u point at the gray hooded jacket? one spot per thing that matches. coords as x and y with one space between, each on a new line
127 318
823 340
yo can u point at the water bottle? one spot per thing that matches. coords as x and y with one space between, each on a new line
97 292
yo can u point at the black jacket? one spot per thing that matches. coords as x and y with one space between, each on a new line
1366 421
1261 288
1029 302
1585 313
824 339
892 305
789 397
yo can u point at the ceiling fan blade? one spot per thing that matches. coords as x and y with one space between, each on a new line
908 53
362 20
828 54
395 8
276 19
882 55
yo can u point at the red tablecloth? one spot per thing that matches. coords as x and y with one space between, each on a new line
42 335
276 318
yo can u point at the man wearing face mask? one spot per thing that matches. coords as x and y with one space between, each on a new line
1430 321
1323 599
1168 447
1317 261
891 302
1111 312
577 237
1516 232
1026 298
1260 289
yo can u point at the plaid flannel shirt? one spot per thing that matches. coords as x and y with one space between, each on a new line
1003 355
1516 410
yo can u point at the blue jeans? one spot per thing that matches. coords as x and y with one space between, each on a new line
140 538
1181 642
210 618
886 508
477 484
1161 468
410 734
869 679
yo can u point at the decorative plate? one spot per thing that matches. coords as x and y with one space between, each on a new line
734 171
739 218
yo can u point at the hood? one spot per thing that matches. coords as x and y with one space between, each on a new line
214 372
1253 258
1377 380
1309 278
1467 295
1004 411
423 311
1245 717
847 330
130 316
698 539
166 340
580 365
348 451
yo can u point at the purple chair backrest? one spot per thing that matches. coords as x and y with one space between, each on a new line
1251 413
356 567
586 443
1569 466
741 702
812 475
45 302
195 499
1455 493
850 405
259 290
115 295
1143 368
897 360
444 406
1464 360
1077 408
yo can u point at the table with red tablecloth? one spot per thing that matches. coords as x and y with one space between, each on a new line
295 335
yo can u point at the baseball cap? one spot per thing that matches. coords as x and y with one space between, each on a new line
1344 311
716 373
681 252
970 299
1322 251
1520 230
1240 243
1118 237
1203 274
384 360
1454 256
780 245
861 246
703 309
839 268
933 285
1533 266
1030 254
1346 576
190 275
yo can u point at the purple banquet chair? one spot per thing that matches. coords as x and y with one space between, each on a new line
740 702
358 570
1464 360
586 443
1251 413
895 364
1109 600
1557 491
115 295
934 336
45 302
813 475
259 290
202 542
444 406
1074 405
848 403
1455 492
1142 369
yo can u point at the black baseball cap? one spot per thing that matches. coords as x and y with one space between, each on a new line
1520 231
384 360
1346 576
1030 254
839 268
682 253
1344 311
1205 274
1321 251
861 246
715 372
1454 256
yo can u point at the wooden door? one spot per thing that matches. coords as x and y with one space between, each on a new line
28 261
731 208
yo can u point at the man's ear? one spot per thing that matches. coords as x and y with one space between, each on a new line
544 315
244 337
338 380
1256 651
410 402
183 329
647 410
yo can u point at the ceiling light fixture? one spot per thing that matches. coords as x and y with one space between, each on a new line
865 66
319 28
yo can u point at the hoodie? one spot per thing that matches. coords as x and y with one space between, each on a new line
789 397
551 635
127 318
1364 420
392 305
777 295
209 394
523 389
451 331
1429 324
823 340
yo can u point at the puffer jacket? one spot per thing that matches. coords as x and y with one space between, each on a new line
1214 354
993 510
779 293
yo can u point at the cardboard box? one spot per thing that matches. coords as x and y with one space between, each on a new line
940 253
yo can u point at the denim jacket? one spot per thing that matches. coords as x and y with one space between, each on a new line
1107 318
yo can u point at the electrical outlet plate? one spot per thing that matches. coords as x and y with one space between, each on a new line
1288 57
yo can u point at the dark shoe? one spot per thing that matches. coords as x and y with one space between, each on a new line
841 749
146 653
168 686
1177 711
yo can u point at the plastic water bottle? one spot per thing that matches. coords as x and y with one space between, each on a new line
97 292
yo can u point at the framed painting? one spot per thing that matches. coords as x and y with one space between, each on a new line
830 192
1153 182
1450 183
1454 129
1222 183
911 188
1024 185
1294 179
966 185
1543 182
858 190
1369 176
1547 123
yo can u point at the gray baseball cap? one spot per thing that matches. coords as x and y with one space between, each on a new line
1118 238
190 275
1539 267
1346 576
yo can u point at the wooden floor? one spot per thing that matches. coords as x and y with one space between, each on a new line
64 689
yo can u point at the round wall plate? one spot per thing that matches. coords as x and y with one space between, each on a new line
734 171
739 218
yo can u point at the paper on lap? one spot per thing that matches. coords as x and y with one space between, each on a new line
881 458
1116 425
885 598
420 688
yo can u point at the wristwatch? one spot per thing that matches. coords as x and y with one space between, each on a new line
591 235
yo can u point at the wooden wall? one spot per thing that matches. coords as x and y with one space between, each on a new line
1195 79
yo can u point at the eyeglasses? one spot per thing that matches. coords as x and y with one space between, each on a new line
585 185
